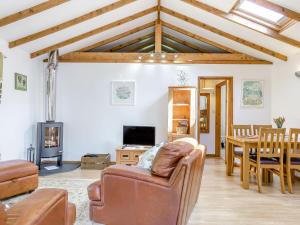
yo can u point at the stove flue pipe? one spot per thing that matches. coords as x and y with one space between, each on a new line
51 86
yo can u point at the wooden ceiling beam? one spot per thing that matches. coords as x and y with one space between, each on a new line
182 42
184 58
147 48
169 49
158 36
224 34
117 37
69 23
131 42
93 32
244 22
30 11
141 45
174 46
198 37
278 8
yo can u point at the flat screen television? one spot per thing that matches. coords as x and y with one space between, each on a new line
138 135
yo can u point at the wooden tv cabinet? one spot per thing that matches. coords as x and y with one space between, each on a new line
129 155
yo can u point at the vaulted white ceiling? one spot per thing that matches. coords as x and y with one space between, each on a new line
75 8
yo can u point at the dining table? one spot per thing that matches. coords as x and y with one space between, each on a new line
246 143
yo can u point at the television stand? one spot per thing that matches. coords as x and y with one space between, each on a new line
129 155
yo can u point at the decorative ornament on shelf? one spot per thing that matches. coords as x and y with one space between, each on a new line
279 121
182 127
182 78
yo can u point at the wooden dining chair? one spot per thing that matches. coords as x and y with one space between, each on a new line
257 127
270 153
292 156
240 130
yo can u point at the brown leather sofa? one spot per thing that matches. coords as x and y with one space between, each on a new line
17 177
43 207
133 196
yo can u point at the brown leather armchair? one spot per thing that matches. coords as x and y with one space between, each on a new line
132 196
43 207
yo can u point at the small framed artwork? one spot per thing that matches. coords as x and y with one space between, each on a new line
20 82
252 94
123 93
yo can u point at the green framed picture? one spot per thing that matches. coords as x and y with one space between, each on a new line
20 82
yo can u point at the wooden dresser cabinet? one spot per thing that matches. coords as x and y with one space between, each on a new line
129 155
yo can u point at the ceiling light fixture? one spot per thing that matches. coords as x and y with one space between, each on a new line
163 55
152 55
175 56
140 57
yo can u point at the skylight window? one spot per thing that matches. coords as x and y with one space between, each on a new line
260 12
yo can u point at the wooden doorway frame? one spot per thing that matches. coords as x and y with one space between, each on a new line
229 109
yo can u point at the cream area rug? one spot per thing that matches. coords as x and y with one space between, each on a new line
77 194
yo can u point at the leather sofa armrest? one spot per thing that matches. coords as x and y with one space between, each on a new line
135 173
2 215
41 206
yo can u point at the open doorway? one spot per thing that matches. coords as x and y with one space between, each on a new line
215 113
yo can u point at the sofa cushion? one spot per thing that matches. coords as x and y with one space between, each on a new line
94 191
14 169
146 159
168 156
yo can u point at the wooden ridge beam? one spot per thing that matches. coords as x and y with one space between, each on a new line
185 58
117 37
278 8
244 22
224 34
93 32
197 37
69 23
182 42
30 11
131 42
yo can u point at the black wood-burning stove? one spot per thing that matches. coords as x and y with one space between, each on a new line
49 141
50 133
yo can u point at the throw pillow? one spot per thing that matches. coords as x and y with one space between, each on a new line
146 159
168 156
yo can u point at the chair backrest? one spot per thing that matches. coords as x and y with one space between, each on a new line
257 127
294 144
241 130
271 143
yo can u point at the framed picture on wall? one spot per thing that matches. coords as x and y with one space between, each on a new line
20 82
123 92
252 94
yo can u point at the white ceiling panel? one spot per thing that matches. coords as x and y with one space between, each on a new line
224 5
293 32
8 7
290 4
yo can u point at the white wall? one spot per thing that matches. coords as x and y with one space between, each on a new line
286 91
93 125
18 110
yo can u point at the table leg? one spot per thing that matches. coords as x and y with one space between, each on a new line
246 166
229 153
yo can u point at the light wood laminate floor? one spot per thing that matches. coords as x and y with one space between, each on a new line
222 201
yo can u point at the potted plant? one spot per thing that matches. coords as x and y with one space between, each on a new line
279 121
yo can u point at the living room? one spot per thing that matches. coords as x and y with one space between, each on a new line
99 48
